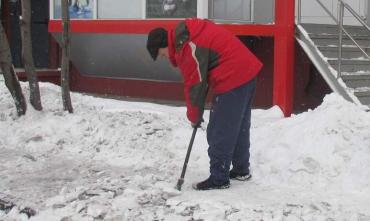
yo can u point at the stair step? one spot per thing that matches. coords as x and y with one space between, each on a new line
335 36
347 52
357 79
364 43
364 91
351 65
356 75
333 29
350 61
363 94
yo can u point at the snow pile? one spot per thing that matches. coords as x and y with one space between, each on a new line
116 160
321 148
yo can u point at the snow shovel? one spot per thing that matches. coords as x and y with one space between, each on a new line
181 179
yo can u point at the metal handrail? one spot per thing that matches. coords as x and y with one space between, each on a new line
342 6
341 29
354 13
321 4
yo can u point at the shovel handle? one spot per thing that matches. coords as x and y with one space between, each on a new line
181 180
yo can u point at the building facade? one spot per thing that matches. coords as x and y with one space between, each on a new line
108 54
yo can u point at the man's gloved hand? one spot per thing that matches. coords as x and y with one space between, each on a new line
194 125
198 125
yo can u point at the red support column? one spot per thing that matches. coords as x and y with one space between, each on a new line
284 55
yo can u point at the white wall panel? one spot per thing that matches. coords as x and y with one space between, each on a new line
116 9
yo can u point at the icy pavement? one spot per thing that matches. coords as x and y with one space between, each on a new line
115 160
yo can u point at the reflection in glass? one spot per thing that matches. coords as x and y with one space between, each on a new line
78 9
171 8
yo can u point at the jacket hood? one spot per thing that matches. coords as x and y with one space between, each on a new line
195 26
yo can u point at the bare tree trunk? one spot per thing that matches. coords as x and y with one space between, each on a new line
25 23
67 104
11 79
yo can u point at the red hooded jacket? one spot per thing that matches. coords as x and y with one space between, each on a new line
209 56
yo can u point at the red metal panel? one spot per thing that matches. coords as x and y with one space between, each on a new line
144 26
284 55
51 76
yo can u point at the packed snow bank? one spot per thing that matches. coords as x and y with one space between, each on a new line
117 160
321 148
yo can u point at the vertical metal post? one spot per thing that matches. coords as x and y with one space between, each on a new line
340 37
299 16
252 10
368 12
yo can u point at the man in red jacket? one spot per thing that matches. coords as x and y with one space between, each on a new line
210 56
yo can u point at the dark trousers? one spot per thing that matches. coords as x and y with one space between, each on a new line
228 132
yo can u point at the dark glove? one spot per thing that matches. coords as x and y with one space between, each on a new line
198 125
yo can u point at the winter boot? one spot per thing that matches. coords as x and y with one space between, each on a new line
208 184
240 176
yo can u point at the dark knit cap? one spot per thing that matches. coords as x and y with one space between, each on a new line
157 38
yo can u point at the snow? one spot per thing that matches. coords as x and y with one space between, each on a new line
362 89
119 160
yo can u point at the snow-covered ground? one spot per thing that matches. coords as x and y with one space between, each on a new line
117 160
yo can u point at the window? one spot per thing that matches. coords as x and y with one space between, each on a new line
239 11
242 11
171 8
236 10
120 9
78 9
131 9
